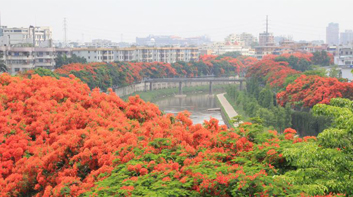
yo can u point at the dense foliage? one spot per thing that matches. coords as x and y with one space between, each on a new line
59 138
322 58
300 89
62 60
119 74
307 91
271 72
283 76
258 102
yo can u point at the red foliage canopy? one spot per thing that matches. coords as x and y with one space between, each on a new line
310 90
273 72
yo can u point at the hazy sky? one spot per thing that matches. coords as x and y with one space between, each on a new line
109 19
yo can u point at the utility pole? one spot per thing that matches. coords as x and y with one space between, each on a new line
267 29
65 32
266 24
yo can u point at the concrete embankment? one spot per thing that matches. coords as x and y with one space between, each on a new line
227 110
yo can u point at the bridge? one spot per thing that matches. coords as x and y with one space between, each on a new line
190 80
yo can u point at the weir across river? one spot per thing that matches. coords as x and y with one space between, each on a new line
192 80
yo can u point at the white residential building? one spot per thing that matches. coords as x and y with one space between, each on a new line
345 60
25 58
219 48
234 39
244 39
22 36
343 55
139 54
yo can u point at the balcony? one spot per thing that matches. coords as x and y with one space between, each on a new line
44 57
20 65
19 57
44 64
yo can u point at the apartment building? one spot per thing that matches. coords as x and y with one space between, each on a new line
30 36
266 39
244 39
346 37
139 54
261 51
95 54
25 58
343 55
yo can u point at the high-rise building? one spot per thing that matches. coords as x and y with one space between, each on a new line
332 34
346 37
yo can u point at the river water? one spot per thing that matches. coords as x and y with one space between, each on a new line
197 105
346 73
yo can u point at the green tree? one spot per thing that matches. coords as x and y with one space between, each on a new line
316 71
266 98
304 65
64 60
334 72
234 54
326 164
267 116
3 67
45 72
288 116
321 58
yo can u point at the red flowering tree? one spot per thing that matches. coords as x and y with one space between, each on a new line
272 72
59 138
307 91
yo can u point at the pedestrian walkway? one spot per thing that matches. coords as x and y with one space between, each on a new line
228 108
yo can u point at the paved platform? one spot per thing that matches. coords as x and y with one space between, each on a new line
228 108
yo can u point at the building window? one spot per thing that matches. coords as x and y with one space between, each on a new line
17 69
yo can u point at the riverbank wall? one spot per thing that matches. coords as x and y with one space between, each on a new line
227 111
224 115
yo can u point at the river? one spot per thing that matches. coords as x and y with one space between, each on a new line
197 105
346 73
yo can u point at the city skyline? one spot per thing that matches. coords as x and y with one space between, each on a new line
216 19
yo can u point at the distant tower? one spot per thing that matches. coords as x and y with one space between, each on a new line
65 32
332 34
266 38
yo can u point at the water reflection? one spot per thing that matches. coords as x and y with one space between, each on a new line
197 105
